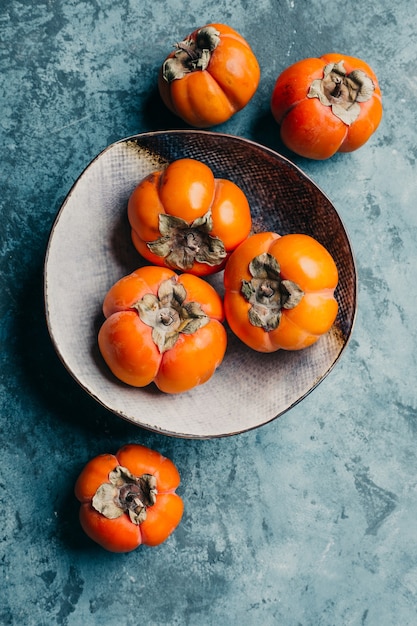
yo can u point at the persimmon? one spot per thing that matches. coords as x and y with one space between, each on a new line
162 328
279 291
129 498
184 218
327 105
210 76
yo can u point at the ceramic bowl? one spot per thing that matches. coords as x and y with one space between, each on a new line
90 248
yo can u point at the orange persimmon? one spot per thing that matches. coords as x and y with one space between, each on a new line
279 291
327 105
129 498
162 328
210 76
184 218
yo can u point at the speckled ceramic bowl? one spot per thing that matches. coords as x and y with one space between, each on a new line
90 249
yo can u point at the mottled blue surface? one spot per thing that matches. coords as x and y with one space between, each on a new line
308 521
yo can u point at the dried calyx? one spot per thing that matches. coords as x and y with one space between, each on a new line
168 315
191 54
183 243
342 91
268 293
125 493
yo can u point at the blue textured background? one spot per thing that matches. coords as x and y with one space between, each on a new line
308 521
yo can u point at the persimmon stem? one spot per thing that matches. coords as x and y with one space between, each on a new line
191 54
341 91
268 293
125 493
169 315
337 90
184 243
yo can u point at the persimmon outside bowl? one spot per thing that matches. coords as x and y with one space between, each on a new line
90 248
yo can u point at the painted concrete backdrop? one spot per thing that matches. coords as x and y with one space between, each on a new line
307 521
